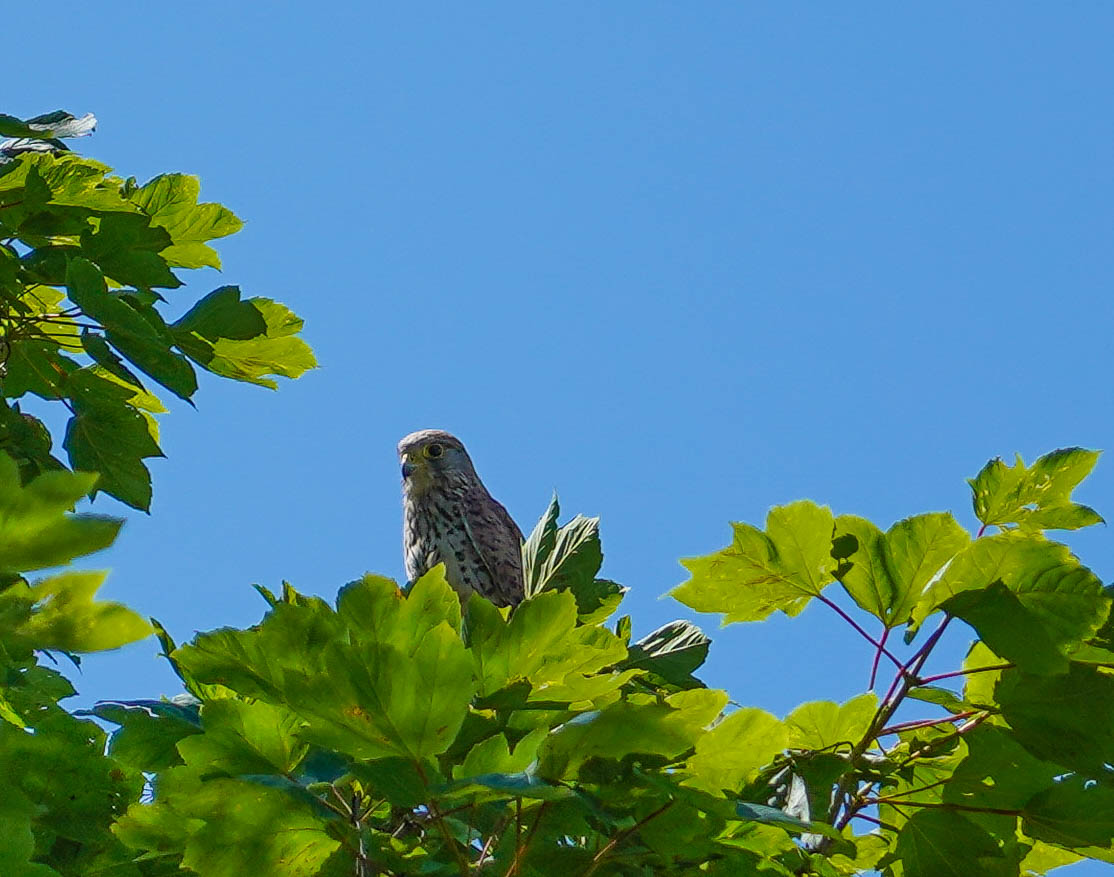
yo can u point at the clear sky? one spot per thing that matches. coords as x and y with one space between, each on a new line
681 262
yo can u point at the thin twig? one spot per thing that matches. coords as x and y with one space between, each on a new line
520 851
877 656
880 646
929 679
597 860
877 822
925 723
941 805
905 678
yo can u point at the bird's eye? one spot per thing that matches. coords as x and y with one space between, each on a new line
435 450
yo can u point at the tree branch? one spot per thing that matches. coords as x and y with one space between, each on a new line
880 646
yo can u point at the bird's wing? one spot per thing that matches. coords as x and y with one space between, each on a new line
498 541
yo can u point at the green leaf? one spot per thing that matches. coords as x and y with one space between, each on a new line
773 816
1043 857
539 546
222 314
171 202
252 829
889 571
733 752
107 434
639 724
126 246
997 772
1072 813
244 738
132 333
1037 497
275 351
566 558
401 781
825 725
384 676
27 441
1054 591
36 530
516 785
941 843
672 652
149 731
67 618
62 769
1063 719
37 367
1005 624
542 644
494 755
102 354
377 701
783 568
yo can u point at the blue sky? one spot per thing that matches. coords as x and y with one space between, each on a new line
679 262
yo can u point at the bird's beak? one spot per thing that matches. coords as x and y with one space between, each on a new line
407 468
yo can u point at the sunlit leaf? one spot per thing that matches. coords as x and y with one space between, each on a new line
782 568
171 202
1054 594
1037 497
889 571
36 528
823 724
735 749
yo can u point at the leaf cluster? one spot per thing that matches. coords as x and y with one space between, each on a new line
87 260
62 793
1013 775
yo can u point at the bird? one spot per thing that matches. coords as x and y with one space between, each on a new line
449 517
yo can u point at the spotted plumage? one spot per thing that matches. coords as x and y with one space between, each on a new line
449 517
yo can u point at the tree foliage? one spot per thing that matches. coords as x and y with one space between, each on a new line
395 731
87 263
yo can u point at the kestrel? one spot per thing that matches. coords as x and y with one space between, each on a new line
449 517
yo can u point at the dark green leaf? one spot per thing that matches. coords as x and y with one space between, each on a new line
1073 813
134 334
126 246
997 772
149 731
275 352
566 557
672 652
941 843
109 435
222 314
1064 719
396 779
1005 624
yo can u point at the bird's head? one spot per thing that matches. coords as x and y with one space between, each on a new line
428 456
